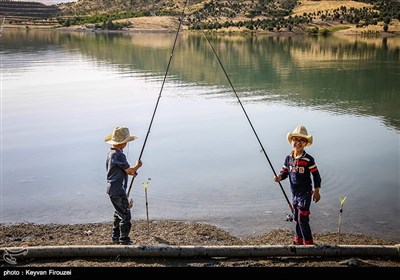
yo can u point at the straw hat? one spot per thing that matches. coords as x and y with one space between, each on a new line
300 131
120 135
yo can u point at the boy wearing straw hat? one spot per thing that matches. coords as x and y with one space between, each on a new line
299 166
118 170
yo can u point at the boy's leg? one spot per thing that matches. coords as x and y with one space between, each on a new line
298 238
304 202
124 215
116 230
125 226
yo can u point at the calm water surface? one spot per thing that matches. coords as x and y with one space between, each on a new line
62 93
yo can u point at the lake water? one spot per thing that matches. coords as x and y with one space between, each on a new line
62 93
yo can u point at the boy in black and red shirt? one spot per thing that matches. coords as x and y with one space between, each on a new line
299 166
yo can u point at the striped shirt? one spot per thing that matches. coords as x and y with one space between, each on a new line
299 171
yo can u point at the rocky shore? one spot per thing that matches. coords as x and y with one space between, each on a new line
178 233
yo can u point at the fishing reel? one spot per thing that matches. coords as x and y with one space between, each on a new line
131 204
289 217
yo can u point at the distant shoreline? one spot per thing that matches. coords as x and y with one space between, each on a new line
144 26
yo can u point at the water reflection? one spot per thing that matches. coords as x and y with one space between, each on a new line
346 74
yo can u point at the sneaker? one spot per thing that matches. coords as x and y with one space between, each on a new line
115 239
125 242
297 241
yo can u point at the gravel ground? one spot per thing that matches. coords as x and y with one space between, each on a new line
178 233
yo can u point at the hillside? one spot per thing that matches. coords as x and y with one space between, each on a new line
26 9
323 16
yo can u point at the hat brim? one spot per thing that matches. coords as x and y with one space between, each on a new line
109 140
308 137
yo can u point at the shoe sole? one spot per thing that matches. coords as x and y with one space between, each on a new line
123 242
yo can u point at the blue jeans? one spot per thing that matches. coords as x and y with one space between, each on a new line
122 217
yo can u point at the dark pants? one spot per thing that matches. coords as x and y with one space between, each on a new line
122 217
301 205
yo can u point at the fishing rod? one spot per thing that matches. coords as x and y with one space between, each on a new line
288 217
162 86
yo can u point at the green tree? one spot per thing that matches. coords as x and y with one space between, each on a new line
385 27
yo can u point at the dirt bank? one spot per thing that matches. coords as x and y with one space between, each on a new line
179 233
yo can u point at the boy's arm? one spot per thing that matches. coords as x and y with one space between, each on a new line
133 170
317 181
283 174
316 195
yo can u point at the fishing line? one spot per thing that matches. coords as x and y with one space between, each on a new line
162 86
248 119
